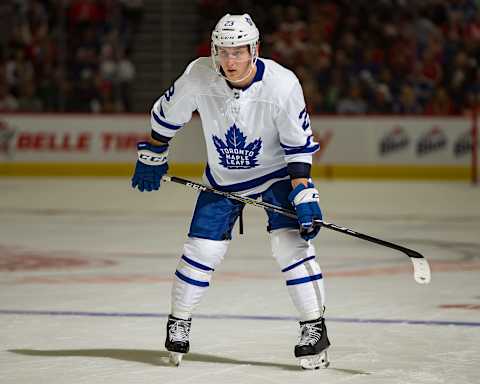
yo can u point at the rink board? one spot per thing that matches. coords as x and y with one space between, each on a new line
351 147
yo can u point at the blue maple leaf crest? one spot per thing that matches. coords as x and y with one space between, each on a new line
235 153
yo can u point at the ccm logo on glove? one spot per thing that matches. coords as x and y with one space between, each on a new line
151 166
146 158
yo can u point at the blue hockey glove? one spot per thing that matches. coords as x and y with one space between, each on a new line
151 166
305 201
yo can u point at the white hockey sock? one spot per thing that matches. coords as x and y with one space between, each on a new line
305 285
302 273
193 274
191 282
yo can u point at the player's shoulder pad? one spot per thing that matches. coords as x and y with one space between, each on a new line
201 70
280 80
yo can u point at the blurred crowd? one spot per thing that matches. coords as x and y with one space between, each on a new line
68 55
352 57
369 56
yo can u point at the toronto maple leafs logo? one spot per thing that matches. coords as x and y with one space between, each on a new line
234 153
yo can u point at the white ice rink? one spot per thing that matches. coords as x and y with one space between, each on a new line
86 267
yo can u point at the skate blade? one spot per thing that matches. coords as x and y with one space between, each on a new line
175 358
314 361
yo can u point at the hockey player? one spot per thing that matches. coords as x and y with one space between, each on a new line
259 144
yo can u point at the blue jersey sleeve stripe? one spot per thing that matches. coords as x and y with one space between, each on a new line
190 281
290 267
196 264
164 123
302 150
303 280
161 110
285 146
281 173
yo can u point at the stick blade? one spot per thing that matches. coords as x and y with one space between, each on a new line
421 270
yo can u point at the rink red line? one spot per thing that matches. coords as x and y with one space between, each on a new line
460 306
443 266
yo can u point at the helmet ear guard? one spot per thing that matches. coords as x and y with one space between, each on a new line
234 31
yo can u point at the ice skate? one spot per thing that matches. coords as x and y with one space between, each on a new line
175 358
177 340
311 349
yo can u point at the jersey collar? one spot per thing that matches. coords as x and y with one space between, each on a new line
258 75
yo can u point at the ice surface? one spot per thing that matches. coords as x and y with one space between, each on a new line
86 267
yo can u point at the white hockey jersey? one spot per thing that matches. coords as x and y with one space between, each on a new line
251 134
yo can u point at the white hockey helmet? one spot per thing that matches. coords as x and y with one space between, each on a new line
234 31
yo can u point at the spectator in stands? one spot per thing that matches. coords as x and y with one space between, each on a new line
382 100
125 76
8 102
108 63
28 101
407 102
85 96
440 104
48 90
353 102
107 103
314 98
85 12
319 60
471 105
18 70
86 55
333 92
133 11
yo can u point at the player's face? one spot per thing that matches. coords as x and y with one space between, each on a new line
236 62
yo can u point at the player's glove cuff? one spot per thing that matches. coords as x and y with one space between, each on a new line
150 154
302 195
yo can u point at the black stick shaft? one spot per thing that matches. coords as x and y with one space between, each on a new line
290 213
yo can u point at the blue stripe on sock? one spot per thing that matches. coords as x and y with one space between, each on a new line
304 279
188 280
298 263
196 264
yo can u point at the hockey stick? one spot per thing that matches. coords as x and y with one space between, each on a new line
421 268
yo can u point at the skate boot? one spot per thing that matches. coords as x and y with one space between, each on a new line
178 332
311 349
